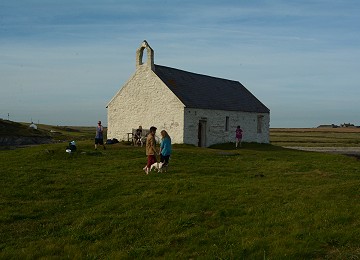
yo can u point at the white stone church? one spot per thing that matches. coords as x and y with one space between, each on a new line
193 108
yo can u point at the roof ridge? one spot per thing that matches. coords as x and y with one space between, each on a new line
198 74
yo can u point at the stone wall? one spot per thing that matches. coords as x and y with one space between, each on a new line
145 100
215 126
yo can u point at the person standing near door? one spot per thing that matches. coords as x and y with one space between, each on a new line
238 136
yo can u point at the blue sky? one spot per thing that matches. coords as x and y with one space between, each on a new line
62 61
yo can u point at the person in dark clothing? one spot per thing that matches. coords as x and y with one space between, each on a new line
137 136
99 137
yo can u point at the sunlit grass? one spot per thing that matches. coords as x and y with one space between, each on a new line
324 137
255 202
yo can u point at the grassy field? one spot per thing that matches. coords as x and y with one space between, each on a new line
323 137
65 133
56 133
258 202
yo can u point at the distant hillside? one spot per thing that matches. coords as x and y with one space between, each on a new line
15 134
9 128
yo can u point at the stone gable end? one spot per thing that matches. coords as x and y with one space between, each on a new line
145 100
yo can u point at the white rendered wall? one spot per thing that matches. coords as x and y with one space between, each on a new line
215 126
145 100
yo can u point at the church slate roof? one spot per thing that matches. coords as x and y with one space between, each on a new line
206 92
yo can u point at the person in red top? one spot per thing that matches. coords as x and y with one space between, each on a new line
238 132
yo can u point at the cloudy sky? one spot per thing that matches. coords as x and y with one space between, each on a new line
62 61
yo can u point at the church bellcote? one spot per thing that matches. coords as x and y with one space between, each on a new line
150 56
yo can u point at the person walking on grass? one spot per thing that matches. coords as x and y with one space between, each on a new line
165 148
150 149
99 137
238 136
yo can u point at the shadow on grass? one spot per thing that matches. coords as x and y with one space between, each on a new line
247 146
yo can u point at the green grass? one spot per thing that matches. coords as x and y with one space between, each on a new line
323 137
67 133
261 201
57 133
9 128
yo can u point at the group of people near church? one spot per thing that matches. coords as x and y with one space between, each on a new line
151 151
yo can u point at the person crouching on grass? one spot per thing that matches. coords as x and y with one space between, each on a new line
150 149
165 148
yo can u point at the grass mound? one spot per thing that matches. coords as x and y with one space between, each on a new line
17 134
9 128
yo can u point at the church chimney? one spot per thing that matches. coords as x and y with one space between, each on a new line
150 56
